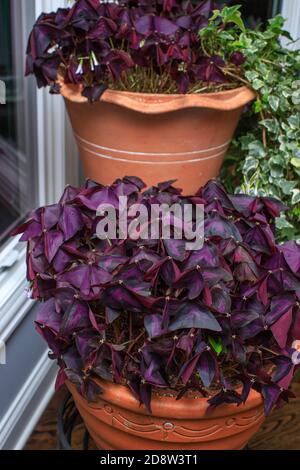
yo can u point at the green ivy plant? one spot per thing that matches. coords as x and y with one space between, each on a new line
264 157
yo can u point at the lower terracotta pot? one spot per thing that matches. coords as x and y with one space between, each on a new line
156 137
117 421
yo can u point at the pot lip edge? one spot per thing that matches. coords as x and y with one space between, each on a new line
157 103
128 402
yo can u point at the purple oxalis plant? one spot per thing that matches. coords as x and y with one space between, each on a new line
149 314
98 45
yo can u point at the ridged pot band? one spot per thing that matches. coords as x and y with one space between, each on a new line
117 421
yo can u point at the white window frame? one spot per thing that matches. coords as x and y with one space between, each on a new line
54 140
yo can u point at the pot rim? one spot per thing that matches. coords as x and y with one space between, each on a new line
165 406
151 103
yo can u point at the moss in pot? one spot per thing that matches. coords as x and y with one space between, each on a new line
189 346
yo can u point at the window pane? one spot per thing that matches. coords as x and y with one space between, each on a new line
17 117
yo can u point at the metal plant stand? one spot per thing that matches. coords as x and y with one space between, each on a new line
67 418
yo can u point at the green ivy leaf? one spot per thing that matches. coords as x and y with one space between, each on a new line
287 186
296 97
294 121
257 84
250 164
224 35
251 75
282 223
296 85
295 162
274 102
296 196
271 125
256 149
233 15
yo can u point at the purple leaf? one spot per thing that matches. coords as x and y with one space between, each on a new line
189 368
281 328
206 257
30 229
279 306
237 58
93 94
175 248
155 24
50 216
239 319
221 301
283 367
112 261
270 393
82 340
85 278
191 315
192 281
154 326
291 253
53 241
49 316
60 379
206 367
70 221
111 315
213 276
75 318
94 197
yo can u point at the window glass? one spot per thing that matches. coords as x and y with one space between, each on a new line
18 125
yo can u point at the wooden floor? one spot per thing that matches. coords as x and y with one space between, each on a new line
281 430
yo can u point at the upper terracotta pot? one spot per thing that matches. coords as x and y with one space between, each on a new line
156 137
117 421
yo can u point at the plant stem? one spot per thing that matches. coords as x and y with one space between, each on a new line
264 131
135 341
237 77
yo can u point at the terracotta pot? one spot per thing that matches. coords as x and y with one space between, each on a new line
156 137
117 422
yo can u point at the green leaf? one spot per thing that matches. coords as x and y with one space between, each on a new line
271 125
251 75
250 164
215 15
296 97
233 15
296 162
256 149
224 35
257 84
276 172
287 186
258 106
216 344
282 223
296 196
277 22
274 102
294 121
296 85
